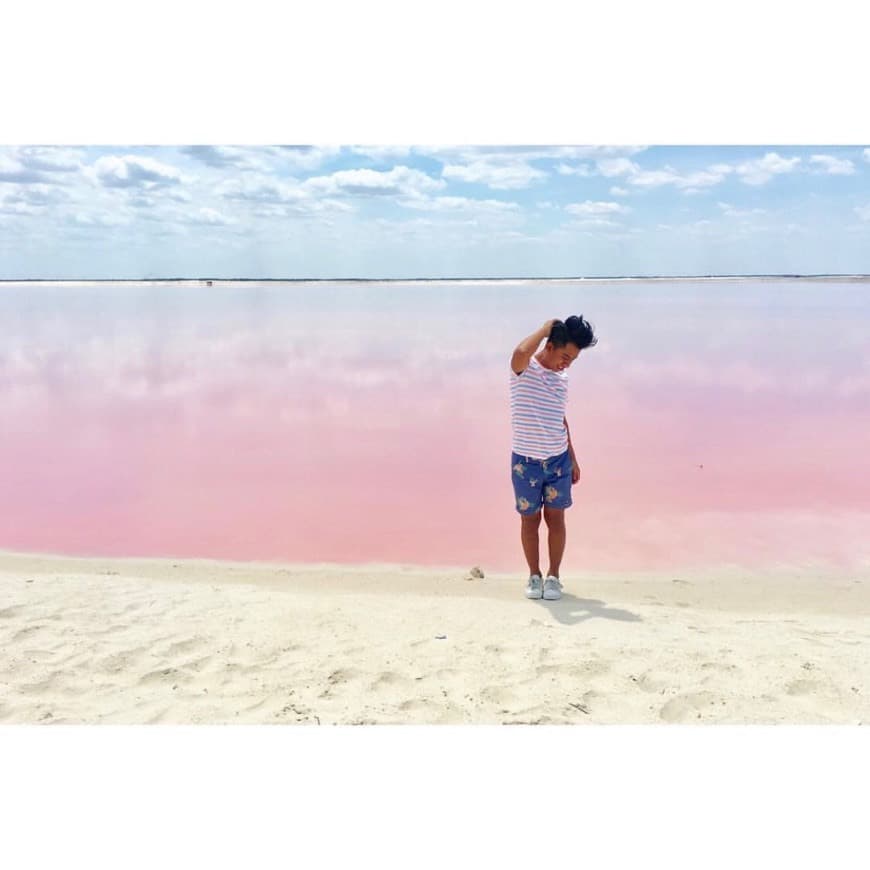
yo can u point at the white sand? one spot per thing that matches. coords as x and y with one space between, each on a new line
196 641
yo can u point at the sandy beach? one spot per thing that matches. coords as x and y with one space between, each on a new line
91 640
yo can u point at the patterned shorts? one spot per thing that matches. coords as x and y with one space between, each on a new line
540 482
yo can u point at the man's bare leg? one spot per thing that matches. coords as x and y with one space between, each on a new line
531 545
555 519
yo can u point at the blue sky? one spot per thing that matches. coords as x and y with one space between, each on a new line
400 211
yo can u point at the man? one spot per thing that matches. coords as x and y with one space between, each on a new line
543 463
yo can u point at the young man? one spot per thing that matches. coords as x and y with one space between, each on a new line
543 464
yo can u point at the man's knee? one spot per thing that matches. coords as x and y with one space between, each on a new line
531 519
555 517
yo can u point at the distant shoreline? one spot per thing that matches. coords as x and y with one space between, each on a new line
597 279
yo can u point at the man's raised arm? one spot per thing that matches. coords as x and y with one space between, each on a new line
524 350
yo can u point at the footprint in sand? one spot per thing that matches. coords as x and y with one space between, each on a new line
180 647
389 679
25 632
496 695
688 707
416 705
653 681
38 655
587 669
120 661
164 676
343 675
41 687
802 687
195 665
717 666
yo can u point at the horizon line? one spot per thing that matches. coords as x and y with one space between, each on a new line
177 278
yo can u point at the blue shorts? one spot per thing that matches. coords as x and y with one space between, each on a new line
540 482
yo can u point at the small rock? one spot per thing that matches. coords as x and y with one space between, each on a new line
477 573
440 637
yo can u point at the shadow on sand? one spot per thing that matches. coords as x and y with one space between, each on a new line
569 610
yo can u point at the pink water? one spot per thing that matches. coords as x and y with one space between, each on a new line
357 423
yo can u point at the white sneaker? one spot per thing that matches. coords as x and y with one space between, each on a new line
552 589
534 589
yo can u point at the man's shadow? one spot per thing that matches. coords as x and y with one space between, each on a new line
569 610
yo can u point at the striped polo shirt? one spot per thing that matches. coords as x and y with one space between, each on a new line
538 400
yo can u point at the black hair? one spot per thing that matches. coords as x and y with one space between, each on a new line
575 330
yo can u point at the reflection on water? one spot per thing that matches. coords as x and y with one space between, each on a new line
714 423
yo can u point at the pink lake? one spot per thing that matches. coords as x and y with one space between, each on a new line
715 422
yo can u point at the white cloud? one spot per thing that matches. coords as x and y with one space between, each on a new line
382 153
508 167
614 166
210 217
760 171
581 169
260 189
500 176
867 154
692 180
302 156
49 159
590 152
37 195
731 211
133 171
101 219
596 208
618 191
754 172
863 212
649 178
17 206
462 204
399 181
593 222
525 153
12 171
147 200
833 165
225 157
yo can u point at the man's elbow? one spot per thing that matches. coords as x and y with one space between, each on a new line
520 360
